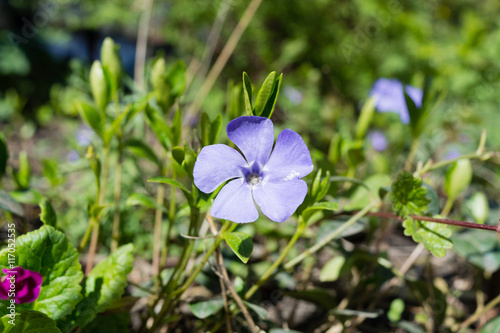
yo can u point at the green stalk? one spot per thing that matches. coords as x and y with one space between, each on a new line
157 229
118 185
100 201
298 232
167 305
330 237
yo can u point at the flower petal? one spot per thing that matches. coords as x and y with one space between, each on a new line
278 201
216 164
234 202
253 135
290 158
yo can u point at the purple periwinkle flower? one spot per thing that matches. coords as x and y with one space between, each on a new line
21 284
378 140
271 180
390 97
84 135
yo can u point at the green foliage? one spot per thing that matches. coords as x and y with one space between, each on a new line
396 310
48 215
266 96
210 130
240 243
410 198
92 117
478 207
28 322
168 82
408 195
23 174
331 270
144 200
104 285
141 149
9 204
48 252
479 248
206 309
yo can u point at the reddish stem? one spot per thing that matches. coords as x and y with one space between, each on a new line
432 219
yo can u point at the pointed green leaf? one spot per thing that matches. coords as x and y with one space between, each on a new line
240 243
51 172
259 310
28 322
189 160
47 214
264 94
273 98
205 309
92 117
247 93
9 204
144 200
48 252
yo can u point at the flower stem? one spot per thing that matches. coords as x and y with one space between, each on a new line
167 305
433 219
330 237
300 229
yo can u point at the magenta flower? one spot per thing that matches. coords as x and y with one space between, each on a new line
21 284
390 97
272 180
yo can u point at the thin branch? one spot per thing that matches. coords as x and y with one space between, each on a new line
221 61
142 44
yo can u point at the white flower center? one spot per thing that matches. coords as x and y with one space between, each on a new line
253 179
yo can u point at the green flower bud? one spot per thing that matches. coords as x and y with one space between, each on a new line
478 207
159 81
458 177
111 62
100 85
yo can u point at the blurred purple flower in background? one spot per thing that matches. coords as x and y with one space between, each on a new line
452 154
390 97
378 140
294 95
84 135
27 285
272 180
72 156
